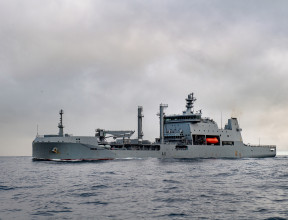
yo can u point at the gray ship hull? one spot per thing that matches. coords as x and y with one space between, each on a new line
181 136
79 151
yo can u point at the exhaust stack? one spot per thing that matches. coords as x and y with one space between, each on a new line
140 132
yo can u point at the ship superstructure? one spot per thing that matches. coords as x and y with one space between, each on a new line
191 129
187 135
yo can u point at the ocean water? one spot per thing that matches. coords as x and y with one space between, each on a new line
144 189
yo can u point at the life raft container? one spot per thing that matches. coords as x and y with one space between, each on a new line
212 140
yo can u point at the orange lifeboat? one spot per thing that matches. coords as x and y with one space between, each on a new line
212 140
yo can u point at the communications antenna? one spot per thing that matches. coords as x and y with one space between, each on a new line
60 125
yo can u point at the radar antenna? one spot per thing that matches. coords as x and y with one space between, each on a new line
60 125
190 103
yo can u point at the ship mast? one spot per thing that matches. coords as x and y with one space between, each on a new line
162 106
190 103
60 125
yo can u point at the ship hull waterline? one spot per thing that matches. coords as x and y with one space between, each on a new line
60 151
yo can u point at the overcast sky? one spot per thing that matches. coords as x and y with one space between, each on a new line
98 60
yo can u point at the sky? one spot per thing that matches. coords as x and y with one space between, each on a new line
99 60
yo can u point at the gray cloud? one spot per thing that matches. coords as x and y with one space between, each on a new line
99 60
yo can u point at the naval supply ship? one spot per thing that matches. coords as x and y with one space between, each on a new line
187 135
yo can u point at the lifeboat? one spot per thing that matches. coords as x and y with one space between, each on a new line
212 140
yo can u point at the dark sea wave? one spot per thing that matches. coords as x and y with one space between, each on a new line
144 189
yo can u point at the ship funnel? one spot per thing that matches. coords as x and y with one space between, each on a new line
60 125
140 132
162 106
